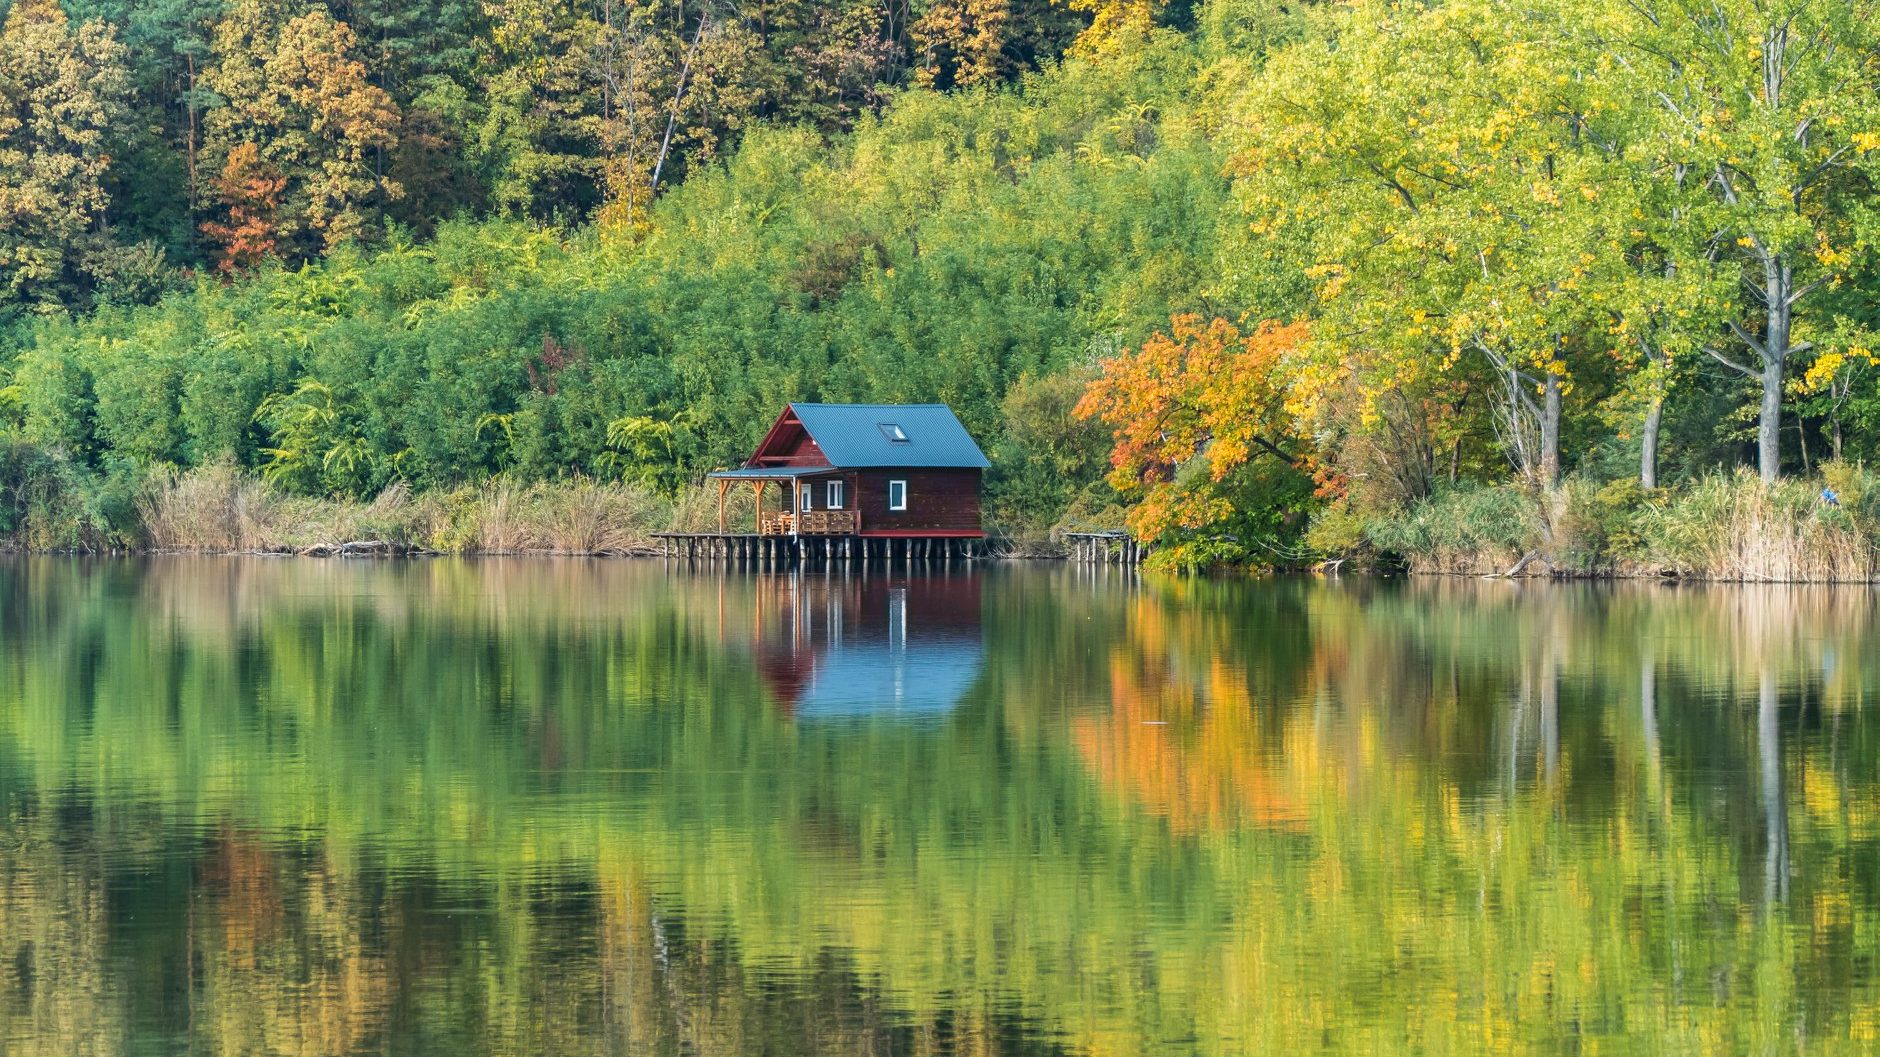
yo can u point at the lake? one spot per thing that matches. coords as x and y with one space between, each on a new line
573 807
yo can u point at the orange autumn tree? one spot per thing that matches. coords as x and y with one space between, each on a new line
250 192
1190 409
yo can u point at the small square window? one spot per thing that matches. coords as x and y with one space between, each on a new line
897 495
894 433
835 495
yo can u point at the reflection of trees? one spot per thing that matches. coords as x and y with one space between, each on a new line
283 962
1182 733
520 807
56 981
1629 834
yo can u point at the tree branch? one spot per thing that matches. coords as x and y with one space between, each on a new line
1803 291
1749 339
1730 363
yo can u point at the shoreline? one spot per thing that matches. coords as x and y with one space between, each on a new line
377 550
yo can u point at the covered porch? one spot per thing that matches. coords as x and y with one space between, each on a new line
789 519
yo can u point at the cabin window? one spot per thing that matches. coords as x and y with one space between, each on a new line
897 495
893 431
835 495
808 494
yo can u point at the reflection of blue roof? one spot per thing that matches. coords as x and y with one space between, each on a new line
886 680
853 435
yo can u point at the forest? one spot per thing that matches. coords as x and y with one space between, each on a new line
1469 284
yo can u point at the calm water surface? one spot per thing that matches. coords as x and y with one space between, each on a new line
538 807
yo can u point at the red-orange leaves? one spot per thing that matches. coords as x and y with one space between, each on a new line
250 191
1202 398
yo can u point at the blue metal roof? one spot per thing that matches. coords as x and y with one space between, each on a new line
852 435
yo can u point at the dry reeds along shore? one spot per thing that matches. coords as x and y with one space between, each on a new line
218 509
1728 527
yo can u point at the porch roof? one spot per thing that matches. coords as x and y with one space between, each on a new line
771 473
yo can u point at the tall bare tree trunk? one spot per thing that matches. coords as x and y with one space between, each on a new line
1550 430
678 97
1648 444
189 152
1769 423
1654 414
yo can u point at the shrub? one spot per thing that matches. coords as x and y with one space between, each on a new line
48 502
1336 530
1466 530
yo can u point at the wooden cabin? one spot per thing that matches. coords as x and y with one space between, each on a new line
875 471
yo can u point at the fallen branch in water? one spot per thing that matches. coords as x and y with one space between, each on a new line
1526 559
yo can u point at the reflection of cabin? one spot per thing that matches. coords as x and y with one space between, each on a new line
851 647
877 471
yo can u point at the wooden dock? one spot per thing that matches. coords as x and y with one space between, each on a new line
1114 547
761 550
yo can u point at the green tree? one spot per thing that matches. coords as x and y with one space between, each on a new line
1459 194
293 87
62 95
1761 128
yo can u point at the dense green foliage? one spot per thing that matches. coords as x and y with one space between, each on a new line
141 140
1457 245
1007 230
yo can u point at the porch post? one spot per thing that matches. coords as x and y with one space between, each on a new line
757 518
722 485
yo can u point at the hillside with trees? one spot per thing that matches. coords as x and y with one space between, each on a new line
1473 283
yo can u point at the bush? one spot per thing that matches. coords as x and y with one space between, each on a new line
1336 530
1594 528
1466 530
48 502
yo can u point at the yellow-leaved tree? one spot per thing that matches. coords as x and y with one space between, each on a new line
1190 410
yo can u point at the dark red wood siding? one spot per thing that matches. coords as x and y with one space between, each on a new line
939 503
788 444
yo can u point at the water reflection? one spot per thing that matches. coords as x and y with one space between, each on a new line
594 807
832 647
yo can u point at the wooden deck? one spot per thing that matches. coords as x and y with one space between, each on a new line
813 523
767 549
1113 547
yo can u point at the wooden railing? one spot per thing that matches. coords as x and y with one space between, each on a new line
814 523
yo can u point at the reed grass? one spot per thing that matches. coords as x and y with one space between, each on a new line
1720 527
1727 526
1735 527
218 509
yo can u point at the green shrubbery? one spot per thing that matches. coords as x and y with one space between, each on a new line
1463 530
49 501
